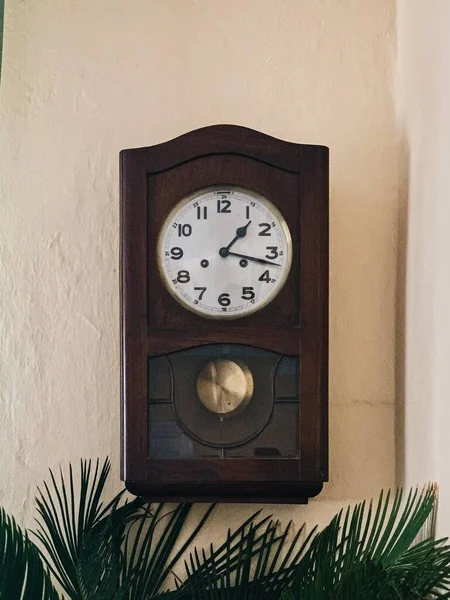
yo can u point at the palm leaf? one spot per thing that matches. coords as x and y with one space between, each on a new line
22 572
125 552
81 536
107 552
99 568
370 552
149 557
255 562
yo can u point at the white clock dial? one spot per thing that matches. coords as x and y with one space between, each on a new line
224 252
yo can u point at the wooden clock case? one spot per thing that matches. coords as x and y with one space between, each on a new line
153 180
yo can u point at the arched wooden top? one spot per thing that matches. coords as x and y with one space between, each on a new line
220 139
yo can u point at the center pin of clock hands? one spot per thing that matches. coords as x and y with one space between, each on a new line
240 233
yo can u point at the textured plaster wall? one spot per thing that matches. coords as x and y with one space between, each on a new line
82 80
424 94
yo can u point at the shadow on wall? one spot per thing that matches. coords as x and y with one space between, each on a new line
2 13
400 350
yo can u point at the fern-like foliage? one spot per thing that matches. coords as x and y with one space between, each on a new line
129 551
370 552
81 536
149 552
256 562
22 572
118 551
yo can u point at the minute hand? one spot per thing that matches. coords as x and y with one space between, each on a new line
262 261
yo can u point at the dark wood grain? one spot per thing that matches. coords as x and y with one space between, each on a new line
295 178
279 339
290 492
219 139
314 310
166 188
134 317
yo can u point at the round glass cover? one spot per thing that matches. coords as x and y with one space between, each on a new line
224 252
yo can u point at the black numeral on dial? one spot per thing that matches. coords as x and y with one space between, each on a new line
248 293
183 277
265 277
202 212
176 253
273 252
223 206
202 290
224 300
184 230
265 229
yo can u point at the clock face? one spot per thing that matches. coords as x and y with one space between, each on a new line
224 252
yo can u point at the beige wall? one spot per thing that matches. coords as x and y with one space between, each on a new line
424 101
83 80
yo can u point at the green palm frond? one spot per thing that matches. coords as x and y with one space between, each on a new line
110 552
256 562
81 536
129 551
370 552
149 551
22 572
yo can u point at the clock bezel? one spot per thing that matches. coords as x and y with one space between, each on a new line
191 197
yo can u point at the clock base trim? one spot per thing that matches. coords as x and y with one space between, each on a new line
243 492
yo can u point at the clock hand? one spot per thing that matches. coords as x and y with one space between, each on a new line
240 233
262 261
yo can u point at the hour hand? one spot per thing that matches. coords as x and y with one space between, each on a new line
262 261
240 233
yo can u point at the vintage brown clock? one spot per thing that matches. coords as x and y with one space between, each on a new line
225 318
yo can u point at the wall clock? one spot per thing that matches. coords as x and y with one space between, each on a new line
224 260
